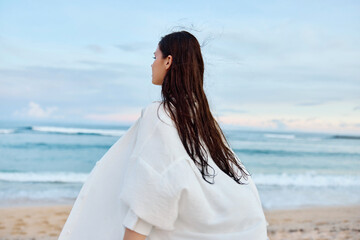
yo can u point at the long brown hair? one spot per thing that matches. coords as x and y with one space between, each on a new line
183 95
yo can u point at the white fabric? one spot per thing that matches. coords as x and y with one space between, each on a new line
133 222
148 183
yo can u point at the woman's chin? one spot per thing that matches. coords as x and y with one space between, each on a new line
155 82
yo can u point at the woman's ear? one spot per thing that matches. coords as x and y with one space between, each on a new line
168 62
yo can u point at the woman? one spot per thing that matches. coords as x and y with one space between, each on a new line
154 183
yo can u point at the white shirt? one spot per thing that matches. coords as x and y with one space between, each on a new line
148 183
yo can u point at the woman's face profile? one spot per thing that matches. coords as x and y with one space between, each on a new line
160 67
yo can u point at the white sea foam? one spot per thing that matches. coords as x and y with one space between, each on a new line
307 180
64 177
282 198
300 180
277 191
65 130
6 131
284 136
42 196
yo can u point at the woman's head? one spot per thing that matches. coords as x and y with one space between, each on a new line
160 67
179 68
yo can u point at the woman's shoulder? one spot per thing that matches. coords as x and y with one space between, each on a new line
155 112
157 141
148 109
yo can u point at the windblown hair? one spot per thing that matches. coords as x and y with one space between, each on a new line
183 95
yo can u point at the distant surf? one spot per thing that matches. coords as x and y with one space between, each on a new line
85 131
66 130
305 179
346 137
284 136
291 169
45 177
6 131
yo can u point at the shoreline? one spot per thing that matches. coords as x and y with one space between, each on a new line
29 204
325 222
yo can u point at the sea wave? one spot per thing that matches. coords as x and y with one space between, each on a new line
283 136
6 131
87 131
31 196
44 145
307 180
300 137
352 137
300 180
279 152
50 177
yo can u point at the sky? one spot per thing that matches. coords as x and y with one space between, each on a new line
269 65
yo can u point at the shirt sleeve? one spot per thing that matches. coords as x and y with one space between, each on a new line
151 186
133 222
149 196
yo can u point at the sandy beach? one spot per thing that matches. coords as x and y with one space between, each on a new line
315 223
45 222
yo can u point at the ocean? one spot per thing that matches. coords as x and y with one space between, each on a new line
47 164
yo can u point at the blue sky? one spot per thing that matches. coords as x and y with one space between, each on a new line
277 65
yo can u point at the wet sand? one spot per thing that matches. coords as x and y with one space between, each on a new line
46 222
315 223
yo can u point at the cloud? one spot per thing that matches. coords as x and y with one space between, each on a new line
349 125
132 47
226 108
116 65
70 85
233 110
117 117
311 119
279 124
308 103
95 48
34 110
58 74
108 72
357 108
126 47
